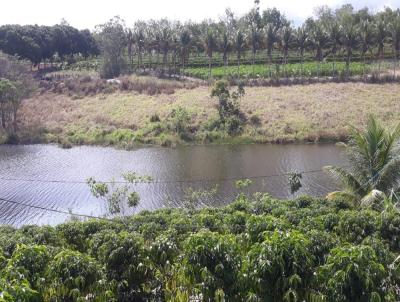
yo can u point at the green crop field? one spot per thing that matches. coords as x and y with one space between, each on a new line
309 69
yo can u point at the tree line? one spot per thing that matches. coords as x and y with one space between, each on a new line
47 43
266 37
344 34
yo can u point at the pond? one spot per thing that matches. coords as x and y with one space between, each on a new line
46 176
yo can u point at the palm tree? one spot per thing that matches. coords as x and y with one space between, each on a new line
394 27
349 42
150 43
253 20
285 41
165 40
240 44
302 40
209 43
130 42
270 39
139 40
335 37
375 162
224 45
185 41
320 41
381 37
366 39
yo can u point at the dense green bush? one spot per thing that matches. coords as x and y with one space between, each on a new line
256 249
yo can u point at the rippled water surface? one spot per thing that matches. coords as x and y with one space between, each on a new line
25 172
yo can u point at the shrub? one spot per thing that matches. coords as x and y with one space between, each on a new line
154 118
179 120
389 228
214 263
73 274
30 262
281 267
125 259
352 273
354 226
255 120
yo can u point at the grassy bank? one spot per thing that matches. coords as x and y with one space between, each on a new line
311 113
252 250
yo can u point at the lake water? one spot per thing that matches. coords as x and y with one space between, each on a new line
51 177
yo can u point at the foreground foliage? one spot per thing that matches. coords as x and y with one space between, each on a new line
257 249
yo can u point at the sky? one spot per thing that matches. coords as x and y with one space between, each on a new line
88 13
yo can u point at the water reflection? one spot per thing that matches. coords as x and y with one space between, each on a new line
169 167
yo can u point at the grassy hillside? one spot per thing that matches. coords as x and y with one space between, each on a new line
314 112
258 249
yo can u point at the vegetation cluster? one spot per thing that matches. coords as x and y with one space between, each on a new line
256 249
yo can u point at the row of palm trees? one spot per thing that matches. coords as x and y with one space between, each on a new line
342 34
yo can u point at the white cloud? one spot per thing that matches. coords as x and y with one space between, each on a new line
88 13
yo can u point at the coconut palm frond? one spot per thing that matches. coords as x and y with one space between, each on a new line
347 179
389 175
373 197
343 195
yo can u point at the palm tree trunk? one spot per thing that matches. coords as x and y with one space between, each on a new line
269 65
238 66
138 61
209 66
301 67
348 68
3 116
364 75
15 110
253 61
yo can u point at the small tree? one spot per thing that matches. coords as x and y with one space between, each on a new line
16 83
118 196
295 182
8 96
228 106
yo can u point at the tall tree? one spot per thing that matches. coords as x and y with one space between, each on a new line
285 43
394 28
335 36
270 40
253 21
185 42
320 41
350 39
302 42
381 37
139 40
366 40
240 45
224 44
209 44
112 40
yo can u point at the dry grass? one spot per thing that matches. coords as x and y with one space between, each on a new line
309 112
81 84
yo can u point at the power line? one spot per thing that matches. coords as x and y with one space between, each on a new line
103 218
49 209
165 181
